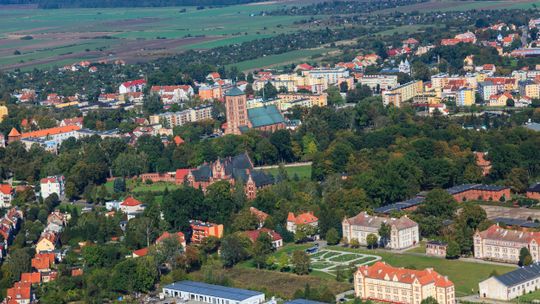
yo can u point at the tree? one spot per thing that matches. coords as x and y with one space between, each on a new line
372 240
300 262
354 243
525 258
234 249
245 220
210 244
152 104
283 262
438 203
304 231
452 250
332 236
384 233
262 249
119 185
429 300
17 262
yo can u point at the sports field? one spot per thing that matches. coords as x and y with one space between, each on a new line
41 37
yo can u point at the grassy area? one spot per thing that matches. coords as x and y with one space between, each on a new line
303 172
465 275
276 283
421 248
280 59
529 297
134 186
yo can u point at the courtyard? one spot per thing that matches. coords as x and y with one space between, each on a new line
328 260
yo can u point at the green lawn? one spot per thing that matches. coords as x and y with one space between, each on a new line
303 172
465 275
529 297
134 187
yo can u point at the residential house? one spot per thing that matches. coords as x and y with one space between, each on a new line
202 230
512 284
131 207
404 232
6 195
500 100
179 236
20 293
47 242
306 218
261 216
31 277
277 240
42 262
384 283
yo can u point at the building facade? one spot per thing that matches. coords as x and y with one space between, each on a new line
172 119
236 111
504 245
404 232
512 284
202 230
436 248
52 184
306 218
382 282
402 93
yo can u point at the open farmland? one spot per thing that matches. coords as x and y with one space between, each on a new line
455 5
46 37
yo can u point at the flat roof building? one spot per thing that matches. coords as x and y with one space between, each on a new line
212 294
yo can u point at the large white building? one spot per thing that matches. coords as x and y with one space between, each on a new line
332 75
403 231
378 82
512 284
52 184
384 283
211 294
182 117
504 245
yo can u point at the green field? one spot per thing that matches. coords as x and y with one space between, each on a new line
456 5
303 172
64 34
465 275
137 187
529 297
280 59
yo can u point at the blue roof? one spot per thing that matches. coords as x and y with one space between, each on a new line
265 116
303 301
516 222
520 275
217 291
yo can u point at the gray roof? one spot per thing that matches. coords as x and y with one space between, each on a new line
516 222
235 91
303 301
520 275
265 116
534 188
218 291
467 187
400 205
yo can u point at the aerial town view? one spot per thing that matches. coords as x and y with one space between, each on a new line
270 152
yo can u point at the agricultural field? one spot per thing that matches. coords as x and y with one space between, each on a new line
455 5
33 37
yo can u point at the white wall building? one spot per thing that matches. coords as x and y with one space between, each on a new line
52 184
403 231
512 284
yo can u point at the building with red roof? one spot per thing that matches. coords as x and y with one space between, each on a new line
75 272
13 135
277 240
179 235
20 293
261 216
131 206
52 184
503 245
140 252
6 195
31 277
202 230
42 262
302 67
384 283
178 140
132 86
306 218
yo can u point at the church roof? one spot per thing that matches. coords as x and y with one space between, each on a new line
265 116
235 91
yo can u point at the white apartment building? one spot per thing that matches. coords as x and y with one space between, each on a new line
403 231
182 117
512 284
332 75
379 82
503 245
52 184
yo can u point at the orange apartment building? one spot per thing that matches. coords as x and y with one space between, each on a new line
202 230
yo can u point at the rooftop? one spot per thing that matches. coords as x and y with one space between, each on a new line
217 291
235 91
520 275
265 116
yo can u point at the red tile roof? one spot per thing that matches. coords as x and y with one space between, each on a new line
134 83
140 252
43 261
14 133
253 235
259 214
51 131
166 234
130 201
383 271
20 291
32 278
178 140
304 218
6 189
